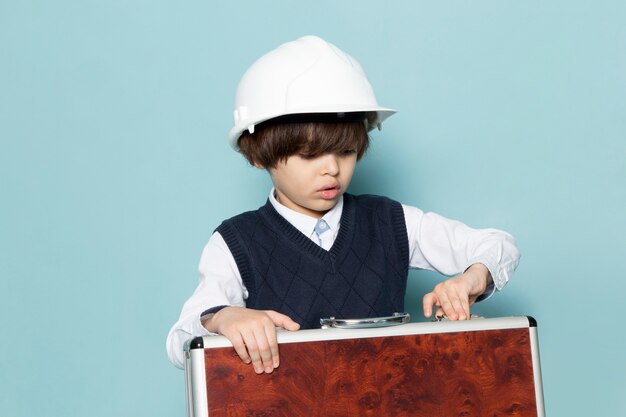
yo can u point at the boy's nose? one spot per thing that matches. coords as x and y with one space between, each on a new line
330 164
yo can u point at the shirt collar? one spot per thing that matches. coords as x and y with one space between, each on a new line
304 223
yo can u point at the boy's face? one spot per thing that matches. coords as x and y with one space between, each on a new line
312 186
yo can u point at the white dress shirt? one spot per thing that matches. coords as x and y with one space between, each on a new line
435 243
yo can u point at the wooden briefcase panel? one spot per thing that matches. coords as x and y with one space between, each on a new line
480 367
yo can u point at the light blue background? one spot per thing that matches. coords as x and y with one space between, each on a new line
114 170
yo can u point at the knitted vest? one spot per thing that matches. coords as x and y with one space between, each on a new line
363 275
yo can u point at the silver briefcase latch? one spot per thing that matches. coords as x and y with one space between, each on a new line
393 320
443 317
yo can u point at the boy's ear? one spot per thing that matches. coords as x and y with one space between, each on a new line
258 165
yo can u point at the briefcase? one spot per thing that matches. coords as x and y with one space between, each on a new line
479 367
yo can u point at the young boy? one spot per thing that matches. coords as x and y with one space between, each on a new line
303 112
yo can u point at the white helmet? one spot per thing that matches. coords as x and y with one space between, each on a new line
308 75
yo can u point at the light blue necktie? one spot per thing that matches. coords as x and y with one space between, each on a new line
320 228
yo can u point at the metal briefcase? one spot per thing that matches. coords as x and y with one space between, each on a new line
477 367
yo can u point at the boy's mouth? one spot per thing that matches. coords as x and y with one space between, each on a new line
329 192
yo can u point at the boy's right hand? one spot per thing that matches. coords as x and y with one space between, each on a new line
252 333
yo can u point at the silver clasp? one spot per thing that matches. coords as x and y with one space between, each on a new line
393 320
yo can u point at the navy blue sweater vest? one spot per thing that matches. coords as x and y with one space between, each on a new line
363 275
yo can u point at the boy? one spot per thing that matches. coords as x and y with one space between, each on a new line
303 112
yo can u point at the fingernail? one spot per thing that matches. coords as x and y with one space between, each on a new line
258 369
269 369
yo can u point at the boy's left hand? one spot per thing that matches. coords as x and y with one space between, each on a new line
454 296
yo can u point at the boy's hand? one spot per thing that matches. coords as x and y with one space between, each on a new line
252 333
454 296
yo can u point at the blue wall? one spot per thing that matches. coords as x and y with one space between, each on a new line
114 170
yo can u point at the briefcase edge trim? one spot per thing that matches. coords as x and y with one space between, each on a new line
285 336
197 404
536 362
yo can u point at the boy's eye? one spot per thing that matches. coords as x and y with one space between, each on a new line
348 152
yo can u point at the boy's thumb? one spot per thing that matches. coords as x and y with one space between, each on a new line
281 320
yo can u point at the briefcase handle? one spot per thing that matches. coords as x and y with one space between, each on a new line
393 320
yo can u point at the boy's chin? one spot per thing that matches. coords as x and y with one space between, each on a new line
326 203
318 208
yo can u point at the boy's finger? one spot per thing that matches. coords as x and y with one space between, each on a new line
282 320
446 305
270 333
460 303
265 352
428 302
457 306
240 348
253 351
466 307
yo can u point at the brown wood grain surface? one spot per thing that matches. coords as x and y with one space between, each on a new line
486 373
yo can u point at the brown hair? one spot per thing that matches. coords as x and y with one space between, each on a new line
308 135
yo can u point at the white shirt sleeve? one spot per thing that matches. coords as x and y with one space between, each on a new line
450 247
220 284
